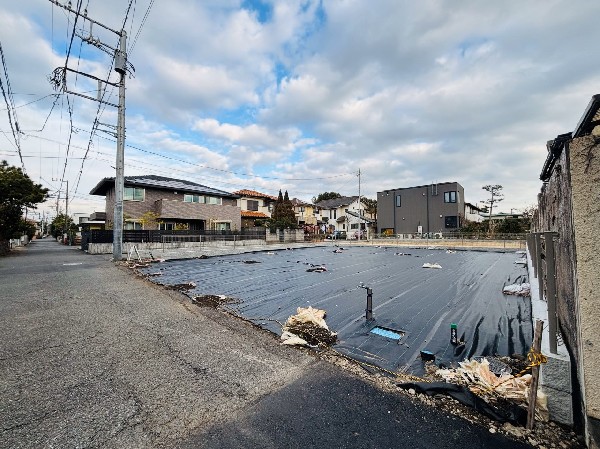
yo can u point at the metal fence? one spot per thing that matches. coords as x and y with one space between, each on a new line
165 236
543 258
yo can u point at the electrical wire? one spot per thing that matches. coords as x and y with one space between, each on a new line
137 35
10 105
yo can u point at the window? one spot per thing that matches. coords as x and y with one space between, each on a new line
398 200
188 198
213 200
132 225
333 213
166 226
353 225
222 226
451 221
450 197
133 194
252 205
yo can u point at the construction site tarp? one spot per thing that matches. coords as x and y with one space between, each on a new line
413 308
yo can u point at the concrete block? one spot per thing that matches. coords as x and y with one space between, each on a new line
560 405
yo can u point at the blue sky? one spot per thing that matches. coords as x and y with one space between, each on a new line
299 95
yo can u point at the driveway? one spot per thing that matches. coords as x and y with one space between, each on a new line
93 356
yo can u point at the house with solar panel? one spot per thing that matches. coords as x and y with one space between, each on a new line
171 203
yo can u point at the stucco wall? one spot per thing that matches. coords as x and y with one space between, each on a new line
585 181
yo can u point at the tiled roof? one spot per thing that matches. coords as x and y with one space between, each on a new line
336 202
254 194
253 214
162 183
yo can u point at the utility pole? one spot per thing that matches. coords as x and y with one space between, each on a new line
120 66
66 227
359 214
121 69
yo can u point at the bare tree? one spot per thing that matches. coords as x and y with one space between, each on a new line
496 196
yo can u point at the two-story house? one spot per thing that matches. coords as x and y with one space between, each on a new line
157 202
306 213
335 214
425 209
255 206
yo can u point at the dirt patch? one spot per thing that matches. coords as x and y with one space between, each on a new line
313 334
213 300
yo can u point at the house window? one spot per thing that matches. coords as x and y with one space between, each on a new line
188 198
133 194
333 214
398 200
222 226
301 208
451 221
132 226
252 205
450 197
353 225
213 200
166 226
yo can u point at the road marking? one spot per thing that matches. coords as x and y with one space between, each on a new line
73 263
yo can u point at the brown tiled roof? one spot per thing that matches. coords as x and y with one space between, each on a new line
254 194
253 214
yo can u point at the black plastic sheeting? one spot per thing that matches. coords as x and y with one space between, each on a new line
420 303
511 413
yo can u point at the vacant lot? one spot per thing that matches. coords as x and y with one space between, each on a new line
418 303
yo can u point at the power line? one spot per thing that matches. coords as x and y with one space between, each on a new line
141 26
10 105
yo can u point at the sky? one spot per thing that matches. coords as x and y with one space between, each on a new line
298 95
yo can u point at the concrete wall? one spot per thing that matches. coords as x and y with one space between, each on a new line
106 248
570 205
289 236
585 182
420 206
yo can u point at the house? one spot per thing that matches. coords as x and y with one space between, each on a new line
430 208
157 202
255 206
342 214
306 213
473 213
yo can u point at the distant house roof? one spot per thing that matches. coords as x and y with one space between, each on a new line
253 214
160 183
254 194
473 207
336 202
296 202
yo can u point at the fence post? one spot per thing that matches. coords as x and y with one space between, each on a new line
540 267
551 289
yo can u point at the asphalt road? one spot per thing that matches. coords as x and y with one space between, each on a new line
93 356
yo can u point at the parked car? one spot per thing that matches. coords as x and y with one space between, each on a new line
337 235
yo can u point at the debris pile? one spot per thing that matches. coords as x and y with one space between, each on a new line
181 287
307 327
432 265
478 377
523 289
213 300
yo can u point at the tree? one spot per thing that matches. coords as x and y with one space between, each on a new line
149 220
283 215
17 191
325 196
370 206
62 223
495 197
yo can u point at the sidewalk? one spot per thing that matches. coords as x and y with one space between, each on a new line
95 357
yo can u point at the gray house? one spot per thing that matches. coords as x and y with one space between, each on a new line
427 209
